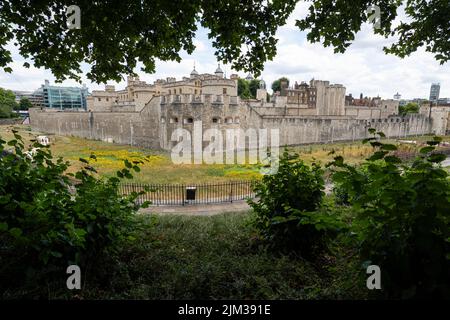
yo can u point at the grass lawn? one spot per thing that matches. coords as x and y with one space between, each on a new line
217 257
158 167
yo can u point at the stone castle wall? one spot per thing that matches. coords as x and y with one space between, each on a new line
154 125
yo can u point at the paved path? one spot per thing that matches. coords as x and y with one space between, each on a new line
199 209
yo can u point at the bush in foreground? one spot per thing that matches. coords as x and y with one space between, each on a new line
287 206
403 218
49 220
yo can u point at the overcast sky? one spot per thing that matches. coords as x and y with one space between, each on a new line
364 68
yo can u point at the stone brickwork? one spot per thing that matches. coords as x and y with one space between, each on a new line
153 124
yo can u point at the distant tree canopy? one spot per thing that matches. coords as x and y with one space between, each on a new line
247 89
276 85
409 108
25 104
114 38
7 103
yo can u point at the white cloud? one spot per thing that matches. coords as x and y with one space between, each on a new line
363 68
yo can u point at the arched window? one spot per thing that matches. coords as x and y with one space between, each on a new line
237 120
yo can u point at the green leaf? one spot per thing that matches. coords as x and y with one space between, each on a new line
128 164
392 159
3 226
425 150
389 147
15 232
437 157
56 254
378 155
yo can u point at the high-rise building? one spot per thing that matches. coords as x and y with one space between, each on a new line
434 92
48 96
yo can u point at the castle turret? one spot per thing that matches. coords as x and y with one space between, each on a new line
219 71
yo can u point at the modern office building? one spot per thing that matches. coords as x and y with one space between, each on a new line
22 94
434 92
57 97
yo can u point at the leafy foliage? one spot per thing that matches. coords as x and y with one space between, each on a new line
247 89
25 104
7 103
409 108
242 32
335 23
286 209
276 85
138 31
49 220
403 218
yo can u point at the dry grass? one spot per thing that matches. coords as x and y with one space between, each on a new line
158 167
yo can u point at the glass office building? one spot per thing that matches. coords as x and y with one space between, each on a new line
434 92
61 97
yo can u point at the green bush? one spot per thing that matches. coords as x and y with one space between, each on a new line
6 112
49 220
403 219
286 207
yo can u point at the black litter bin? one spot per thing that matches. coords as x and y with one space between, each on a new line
190 193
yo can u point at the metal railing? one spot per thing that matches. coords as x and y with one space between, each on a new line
186 194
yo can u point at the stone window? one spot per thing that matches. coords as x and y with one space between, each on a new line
229 120
107 99
169 91
174 120
224 90
99 99
180 90
215 120
236 120
195 91
189 120
163 120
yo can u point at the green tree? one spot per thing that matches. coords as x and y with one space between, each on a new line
276 85
408 108
7 103
253 86
5 112
244 89
25 104
148 30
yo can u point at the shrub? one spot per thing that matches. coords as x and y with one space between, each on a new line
403 218
286 209
49 220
